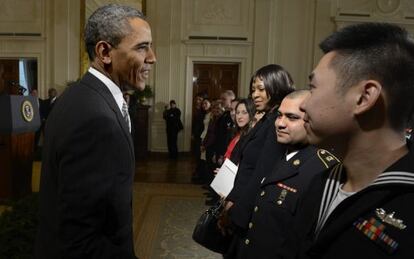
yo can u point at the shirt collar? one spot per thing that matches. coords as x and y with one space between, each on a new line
113 88
291 154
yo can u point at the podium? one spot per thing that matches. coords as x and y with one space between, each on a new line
19 119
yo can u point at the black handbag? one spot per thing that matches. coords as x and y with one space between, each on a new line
207 233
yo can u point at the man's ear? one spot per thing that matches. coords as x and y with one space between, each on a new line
368 93
102 49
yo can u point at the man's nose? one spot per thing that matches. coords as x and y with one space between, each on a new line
280 123
302 106
151 59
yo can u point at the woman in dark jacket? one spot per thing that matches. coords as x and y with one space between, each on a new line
269 85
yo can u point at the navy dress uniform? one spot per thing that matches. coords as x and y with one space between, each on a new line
376 222
277 200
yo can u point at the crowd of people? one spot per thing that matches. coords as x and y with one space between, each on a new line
325 172
322 173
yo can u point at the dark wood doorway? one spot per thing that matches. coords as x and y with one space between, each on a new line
213 79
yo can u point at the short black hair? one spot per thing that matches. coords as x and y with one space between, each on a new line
108 23
277 82
378 51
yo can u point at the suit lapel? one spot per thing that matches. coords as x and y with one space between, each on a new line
97 85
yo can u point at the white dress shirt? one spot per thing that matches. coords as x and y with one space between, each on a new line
113 88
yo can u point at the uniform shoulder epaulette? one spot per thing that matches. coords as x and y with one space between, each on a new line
327 158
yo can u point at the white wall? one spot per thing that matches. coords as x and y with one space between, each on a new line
47 30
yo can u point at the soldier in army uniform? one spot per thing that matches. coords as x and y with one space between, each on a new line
281 190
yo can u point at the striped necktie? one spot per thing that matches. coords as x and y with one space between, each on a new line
125 114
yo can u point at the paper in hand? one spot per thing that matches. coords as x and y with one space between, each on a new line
224 180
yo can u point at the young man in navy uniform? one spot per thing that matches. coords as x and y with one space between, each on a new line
361 99
281 190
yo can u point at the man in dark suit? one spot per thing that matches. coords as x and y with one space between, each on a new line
46 106
172 117
88 162
225 126
35 94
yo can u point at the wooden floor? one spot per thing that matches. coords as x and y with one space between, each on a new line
158 168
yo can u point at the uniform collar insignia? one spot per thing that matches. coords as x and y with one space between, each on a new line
327 158
389 218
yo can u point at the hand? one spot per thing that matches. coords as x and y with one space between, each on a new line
216 171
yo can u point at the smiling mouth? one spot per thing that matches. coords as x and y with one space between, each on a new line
145 73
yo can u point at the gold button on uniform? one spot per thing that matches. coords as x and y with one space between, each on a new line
256 209
247 241
250 225
296 162
262 193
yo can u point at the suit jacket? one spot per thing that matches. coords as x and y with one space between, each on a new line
45 107
87 177
172 118
276 203
225 130
355 228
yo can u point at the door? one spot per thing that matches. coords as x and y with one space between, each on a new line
213 79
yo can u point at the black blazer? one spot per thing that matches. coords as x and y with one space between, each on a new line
87 177
251 153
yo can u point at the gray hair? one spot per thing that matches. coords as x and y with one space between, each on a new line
230 93
108 23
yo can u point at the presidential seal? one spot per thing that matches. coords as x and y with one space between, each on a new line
27 111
